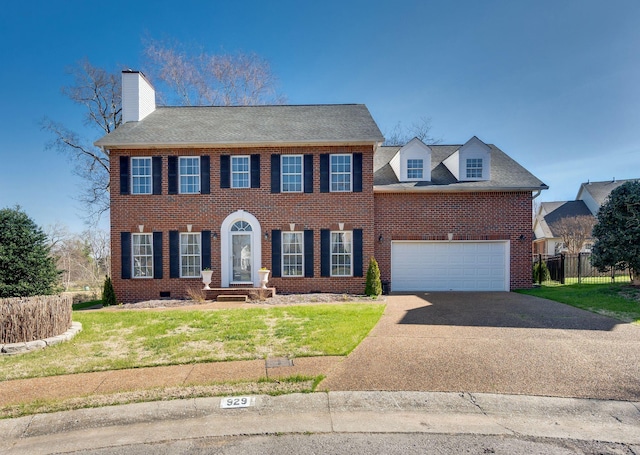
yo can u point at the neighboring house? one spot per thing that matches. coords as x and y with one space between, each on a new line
547 241
590 198
309 193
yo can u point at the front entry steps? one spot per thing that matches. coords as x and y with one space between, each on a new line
246 293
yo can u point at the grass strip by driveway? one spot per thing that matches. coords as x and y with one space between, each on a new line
112 340
619 301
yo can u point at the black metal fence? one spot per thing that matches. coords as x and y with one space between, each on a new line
576 268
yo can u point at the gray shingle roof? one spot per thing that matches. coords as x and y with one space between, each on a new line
551 212
506 174
247 125
599 191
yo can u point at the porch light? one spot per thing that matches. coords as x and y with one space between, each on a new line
215 236
266 236
380 238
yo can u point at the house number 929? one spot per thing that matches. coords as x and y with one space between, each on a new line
237 402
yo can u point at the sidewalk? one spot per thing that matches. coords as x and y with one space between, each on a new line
332 412
114 381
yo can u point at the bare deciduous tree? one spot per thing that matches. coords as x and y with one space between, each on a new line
574 231
99 93
195 77
400 135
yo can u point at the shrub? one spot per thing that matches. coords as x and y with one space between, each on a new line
34 318
540 272
108 294
374 285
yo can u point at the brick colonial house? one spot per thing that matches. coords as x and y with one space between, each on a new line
310 193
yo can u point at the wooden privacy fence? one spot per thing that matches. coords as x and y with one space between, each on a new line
25 319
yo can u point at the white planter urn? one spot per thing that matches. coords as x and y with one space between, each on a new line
206 278
264 277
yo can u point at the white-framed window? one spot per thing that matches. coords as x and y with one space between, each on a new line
189 168
341 172
474 168
415 168
292 254
291 173
190 255
142 255
341 253
141 180
240 174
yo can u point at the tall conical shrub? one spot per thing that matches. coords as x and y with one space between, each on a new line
108 294
374 285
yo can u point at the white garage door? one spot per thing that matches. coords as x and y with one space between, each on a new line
449 266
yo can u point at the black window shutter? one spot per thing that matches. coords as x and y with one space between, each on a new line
225 171
325 252
172 165
275 173
125 255
308 253
276 251
206 249
357 252
157 255
255 171
324 173
205 175
308 173
174 254
357 172
124 175
156 171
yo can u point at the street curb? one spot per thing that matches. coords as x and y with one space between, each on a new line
326 412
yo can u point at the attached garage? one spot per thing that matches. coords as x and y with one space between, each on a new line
450 266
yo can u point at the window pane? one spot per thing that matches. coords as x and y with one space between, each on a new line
340 173
141 175
142 255
190 175
292 254
190 255
414 169
240 171
291 171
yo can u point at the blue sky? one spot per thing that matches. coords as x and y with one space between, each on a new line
553 83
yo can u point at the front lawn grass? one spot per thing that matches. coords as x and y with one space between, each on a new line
619 301
132 338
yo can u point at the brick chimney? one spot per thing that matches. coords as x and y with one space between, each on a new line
138 96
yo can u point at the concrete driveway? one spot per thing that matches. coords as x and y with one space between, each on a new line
493 342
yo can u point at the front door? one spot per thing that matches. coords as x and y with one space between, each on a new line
241 257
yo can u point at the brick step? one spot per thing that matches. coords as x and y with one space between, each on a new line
232 298
251 293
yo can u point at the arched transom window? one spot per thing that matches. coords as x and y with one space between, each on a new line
240 226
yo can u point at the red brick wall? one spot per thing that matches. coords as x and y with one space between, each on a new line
469 216
314 211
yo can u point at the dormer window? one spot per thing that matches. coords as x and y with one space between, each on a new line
415 169
474 168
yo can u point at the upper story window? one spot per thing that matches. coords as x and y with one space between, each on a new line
341 173
142 255
240 172
474 168
189 175
415 168
341 253
291 173
190 255
141 178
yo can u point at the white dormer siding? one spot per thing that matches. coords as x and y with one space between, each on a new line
138 97
471 162
412 163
